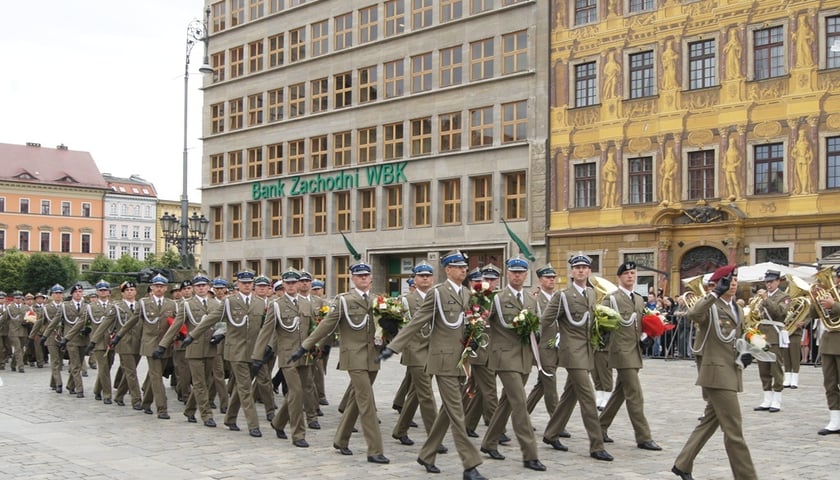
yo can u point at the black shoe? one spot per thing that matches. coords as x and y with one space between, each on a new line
92 367
58 389
319 413
600 409
137 406
223 410
84 374
379 458
71 391
163 416
191 419
534 465
343 450
120 403
504 439
413 424
472 474
761 409
232 426
442 449
494 454
825 431
314 425
792 386
565 434
471 433
683 475
555 444
41 365
107 401
430 467
80 395
607 438
774 409
396 407
255 432
210 423
280 434
148 411
355 430
649 445
323 401
269 416
601 455
301 443
212 405
403 439
98 396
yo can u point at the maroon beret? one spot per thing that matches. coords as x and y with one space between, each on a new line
724 271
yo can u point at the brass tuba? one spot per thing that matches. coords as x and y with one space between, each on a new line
602 287
752 312
695 292
824 288
800 303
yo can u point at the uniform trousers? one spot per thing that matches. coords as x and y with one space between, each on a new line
201 372
4 350
544 387
602 373
56 362
104 361
361 403
486 398
153 389
39 352
218 386
182 373
831 380
264 389
402 391
578 390
291 411
771 373
627 388
16 348
792 355
451 413
320 372
512 403
77 355
240 373
722 409
419 395
129 383
310 392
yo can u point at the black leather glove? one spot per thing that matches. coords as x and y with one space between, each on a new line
723 285
216 339
537 336
326 349
256 365
86 331
267 354
63 343
474 345
385 354
646 343
746 359
114 341
186 341
90 348
43 340
158 353
297 355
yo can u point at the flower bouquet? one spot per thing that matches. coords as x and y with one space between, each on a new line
475 318
30 317
654 324
182 332
606 320
389 315
319 316
524 324
755 343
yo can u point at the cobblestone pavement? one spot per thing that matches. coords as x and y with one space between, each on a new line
45 435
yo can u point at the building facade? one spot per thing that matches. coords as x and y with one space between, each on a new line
173 207
411 127
690 134
51 201
130 217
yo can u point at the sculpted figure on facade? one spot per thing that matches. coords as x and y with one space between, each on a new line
804 41
802 157
669 67
610 181
668 173
732 53
612 72
731 165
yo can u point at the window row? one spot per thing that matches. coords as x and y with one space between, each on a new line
370 209
46 207
769 54
135 233
704 175
65 242
134 251
398 77
448 132
131 210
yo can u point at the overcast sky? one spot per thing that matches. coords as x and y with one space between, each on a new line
106 77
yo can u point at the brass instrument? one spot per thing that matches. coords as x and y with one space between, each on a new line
824 288
602 287
800 303
695 292
752 312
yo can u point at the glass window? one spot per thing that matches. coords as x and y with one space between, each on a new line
769 168
255 219
275 50
478 6
275 105
318 152
236 114
275 159
481 59
451 10
367 84
297 100
235 213
297 152
45 207
217 118
255 109
514 121
422 204
421 136
701 174
45 241
320 38
421 72
586 84
832 162
832 41
421 14
296 212
235 166
237 12
219 16
65 209
23 241
586 185
367 209
515 52
237 61
640 180
394 17
641 75
393 141
320 95
343 88
342 211
217 169
640 5
451 201
217 219
769 52
276 223
481 127
515 196
368 24
482 204
343 31
394 78
451 65
450 131
586 11
701 64
217 62
342 146
86 243
393 207
319 214
297 44
255 56
367 145
24 205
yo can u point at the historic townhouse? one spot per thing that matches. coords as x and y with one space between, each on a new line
410 126
689 134
130 217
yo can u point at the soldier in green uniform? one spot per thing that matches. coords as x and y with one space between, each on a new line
70 324
546 384
104 356
12 319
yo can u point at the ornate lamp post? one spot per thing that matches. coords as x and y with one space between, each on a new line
187 231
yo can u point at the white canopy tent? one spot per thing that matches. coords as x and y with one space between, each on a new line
755 273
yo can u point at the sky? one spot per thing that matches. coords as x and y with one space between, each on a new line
105 77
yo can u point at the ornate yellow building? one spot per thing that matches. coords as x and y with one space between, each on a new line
688 134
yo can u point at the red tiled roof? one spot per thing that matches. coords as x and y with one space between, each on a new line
56 166
133 185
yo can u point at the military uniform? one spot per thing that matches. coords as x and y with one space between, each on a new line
97 311
46 314
773 311
830 352
721 323
70 324
4 333
12 319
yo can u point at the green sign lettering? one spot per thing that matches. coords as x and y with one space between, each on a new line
373 175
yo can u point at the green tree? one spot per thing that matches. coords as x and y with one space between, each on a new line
169 259
45 270
127 263
12 267
102 264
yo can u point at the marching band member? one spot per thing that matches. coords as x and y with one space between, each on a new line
830 351
773 310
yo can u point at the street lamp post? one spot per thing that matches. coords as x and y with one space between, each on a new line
192 230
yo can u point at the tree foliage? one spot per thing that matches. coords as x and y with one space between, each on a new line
101 264
12 267
45 270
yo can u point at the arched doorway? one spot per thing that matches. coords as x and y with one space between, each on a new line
700 260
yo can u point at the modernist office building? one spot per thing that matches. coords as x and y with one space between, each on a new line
691 134
411 126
